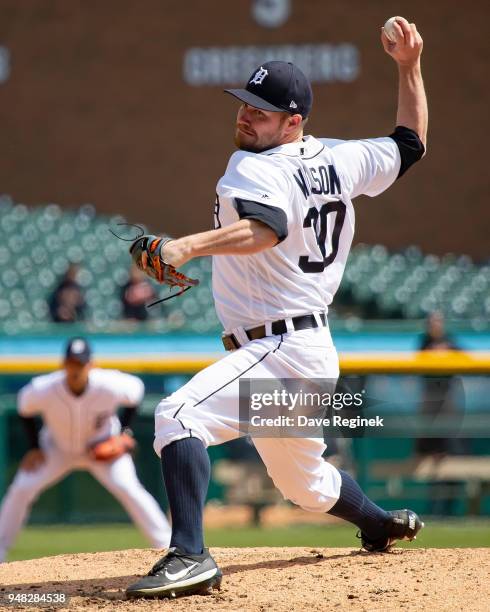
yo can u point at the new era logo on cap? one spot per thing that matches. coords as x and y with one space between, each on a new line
277 86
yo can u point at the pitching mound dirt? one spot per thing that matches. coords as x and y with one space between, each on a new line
277 579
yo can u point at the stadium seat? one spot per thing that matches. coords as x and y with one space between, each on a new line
376 283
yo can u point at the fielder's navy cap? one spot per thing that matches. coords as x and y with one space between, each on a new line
78 349
277 86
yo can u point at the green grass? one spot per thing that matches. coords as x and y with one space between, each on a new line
41 541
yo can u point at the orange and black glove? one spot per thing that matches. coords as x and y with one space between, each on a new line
146 252
113 447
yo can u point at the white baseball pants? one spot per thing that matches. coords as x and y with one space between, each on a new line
119 477
207 407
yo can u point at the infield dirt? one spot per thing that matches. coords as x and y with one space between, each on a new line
276 579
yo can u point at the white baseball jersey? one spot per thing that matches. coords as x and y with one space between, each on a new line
304 191
74 422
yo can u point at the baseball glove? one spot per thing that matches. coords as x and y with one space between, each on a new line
146 252
113 447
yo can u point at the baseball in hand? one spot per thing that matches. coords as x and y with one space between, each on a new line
389 29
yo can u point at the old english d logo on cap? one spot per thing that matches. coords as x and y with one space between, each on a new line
259 76
78 349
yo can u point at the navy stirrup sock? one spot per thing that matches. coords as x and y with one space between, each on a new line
354 506
186 471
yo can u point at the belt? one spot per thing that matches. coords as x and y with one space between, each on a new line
308 321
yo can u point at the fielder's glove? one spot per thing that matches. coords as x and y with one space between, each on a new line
146 252
113 447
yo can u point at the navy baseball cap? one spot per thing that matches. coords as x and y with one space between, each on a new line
277 86
78 349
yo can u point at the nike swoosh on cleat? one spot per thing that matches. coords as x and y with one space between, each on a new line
182 573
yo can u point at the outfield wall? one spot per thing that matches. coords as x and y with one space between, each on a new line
120 104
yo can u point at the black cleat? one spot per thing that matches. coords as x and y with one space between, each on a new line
403 525
177 574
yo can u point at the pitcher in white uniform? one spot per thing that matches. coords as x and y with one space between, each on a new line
78 406
284 222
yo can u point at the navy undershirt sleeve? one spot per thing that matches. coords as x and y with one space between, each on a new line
127 416
410 147
272 216
31 431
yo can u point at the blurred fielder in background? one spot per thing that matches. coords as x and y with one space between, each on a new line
81 431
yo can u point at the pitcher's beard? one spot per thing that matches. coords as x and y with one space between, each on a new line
240 144
250 147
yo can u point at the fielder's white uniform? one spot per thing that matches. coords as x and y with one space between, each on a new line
303 190
70 425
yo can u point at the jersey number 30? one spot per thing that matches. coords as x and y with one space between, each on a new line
318 219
